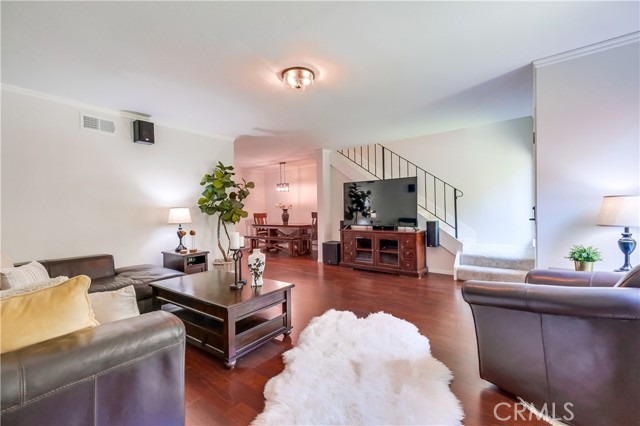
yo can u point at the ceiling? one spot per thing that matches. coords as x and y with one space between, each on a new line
386 70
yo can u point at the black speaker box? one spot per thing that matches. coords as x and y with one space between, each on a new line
143 132
331 252
433 233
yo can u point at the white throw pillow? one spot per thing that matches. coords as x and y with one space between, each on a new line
114 305
33 287
23 276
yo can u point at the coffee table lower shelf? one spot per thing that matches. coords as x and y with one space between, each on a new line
207 332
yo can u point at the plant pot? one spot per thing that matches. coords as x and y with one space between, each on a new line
221 265
583 266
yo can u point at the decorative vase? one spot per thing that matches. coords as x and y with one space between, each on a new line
256 262
583 266
285 216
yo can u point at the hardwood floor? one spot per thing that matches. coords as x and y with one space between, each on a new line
217 396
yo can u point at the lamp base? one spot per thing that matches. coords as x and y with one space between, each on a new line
181 234
627 245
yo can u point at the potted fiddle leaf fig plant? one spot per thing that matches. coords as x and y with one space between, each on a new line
359 203
223 198
584 257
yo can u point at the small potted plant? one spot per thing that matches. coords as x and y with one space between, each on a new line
584 257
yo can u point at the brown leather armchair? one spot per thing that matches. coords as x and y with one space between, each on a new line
128 372
563 340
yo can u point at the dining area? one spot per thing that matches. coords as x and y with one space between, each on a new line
281 235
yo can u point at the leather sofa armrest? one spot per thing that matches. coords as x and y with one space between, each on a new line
561 277
99 375
612 303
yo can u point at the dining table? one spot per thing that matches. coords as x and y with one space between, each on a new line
296 236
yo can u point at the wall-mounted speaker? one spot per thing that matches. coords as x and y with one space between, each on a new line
433 233
143 132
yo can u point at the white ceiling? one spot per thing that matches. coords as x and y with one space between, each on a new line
386 70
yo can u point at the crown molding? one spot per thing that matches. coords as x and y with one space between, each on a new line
108 111
588 50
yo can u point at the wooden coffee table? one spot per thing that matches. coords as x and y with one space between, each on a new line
226 322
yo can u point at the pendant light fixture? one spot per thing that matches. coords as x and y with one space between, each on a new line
282 186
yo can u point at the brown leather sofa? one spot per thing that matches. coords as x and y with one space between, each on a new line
105 277
563 337
128 372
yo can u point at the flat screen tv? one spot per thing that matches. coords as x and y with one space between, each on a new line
385 204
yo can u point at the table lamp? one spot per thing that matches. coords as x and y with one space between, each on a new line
179 215
624 211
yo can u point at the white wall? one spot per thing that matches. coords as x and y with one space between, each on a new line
72 192
302 193
493 166
588 146
338 180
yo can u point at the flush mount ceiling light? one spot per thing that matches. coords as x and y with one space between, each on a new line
282 186
298 77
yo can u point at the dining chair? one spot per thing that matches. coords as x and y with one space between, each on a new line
260 219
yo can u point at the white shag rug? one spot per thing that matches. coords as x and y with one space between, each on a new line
360 371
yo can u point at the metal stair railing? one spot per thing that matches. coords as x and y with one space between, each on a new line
439 198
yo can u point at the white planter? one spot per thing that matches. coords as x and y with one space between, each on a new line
256 263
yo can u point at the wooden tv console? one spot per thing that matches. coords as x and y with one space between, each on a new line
398 252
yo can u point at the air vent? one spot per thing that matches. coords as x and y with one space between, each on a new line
90 122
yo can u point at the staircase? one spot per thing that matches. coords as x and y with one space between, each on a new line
435 196
437 200
492 263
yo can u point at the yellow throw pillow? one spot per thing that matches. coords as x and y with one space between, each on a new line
45 313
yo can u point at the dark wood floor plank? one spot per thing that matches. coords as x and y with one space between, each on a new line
217 396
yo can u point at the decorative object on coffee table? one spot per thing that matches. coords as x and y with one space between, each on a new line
624 211
179 215
234 246
238 282
584 257
256 263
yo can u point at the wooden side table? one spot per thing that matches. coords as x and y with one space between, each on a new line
189 263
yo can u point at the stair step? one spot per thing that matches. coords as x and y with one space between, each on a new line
487 273
497 261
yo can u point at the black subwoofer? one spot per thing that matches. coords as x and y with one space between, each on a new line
331 252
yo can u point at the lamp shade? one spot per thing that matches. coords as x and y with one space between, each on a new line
620 210
179 215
